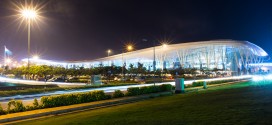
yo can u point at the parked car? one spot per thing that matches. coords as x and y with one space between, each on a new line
139 79
55 79
122 79
40 79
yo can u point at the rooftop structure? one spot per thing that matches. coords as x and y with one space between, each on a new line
221 54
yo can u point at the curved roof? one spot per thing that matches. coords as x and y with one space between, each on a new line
148 52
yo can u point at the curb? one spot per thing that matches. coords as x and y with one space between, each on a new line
77 107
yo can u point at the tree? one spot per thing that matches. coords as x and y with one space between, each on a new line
141 69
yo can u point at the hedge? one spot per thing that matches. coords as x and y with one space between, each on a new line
195 84
148 89
200 83
15 106
74 98
118 93
2 112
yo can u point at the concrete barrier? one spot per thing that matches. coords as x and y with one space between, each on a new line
179 82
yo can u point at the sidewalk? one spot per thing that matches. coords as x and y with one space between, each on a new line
77 107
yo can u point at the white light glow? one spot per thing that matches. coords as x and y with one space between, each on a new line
35 57
257 78
109 51
29 13
8 60
164 45
129 47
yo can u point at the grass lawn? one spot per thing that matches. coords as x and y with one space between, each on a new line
242 103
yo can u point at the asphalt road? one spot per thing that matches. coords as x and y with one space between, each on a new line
29 98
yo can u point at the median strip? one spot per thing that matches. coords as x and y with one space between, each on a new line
76 107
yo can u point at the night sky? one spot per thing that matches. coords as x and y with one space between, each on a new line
85 29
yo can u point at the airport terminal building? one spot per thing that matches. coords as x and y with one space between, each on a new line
228 55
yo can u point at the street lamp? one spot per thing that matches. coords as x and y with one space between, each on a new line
8 60
28 14
154 61
35 57
128 48
109 51
164 45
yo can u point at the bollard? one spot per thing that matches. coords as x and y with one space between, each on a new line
179 85
204 85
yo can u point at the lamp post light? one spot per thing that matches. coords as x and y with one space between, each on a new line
109 71
8 61
164 45
35 57
109 51
154 61
128 49
28 14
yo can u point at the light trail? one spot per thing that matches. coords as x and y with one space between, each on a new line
105 89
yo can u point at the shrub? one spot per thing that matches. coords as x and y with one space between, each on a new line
29 108
35 103
200 83
145 90
2 112
166 87
133 91
148 89
154 89
74 98
118 93
99 95
17 104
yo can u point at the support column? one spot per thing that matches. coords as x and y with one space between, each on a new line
179 85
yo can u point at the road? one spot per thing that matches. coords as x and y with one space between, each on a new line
28 98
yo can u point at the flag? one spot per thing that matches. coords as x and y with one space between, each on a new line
7 51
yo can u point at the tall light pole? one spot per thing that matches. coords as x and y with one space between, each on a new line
35 57
28 14
128 48
109 51
154 61
164 45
